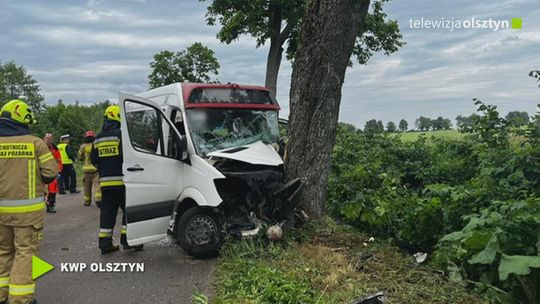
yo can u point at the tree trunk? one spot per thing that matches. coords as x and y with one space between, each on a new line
326 42
274 53
273 63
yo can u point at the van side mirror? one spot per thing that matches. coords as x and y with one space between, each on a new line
181 148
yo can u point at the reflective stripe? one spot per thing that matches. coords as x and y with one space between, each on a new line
111 183
26 202
46 157
124 229
21 290
23 209
33 185
108 138
89 168
98 196
104 232
110 178
29 178
4 281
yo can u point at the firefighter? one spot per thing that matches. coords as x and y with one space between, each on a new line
91 177
107 156
69 177
26 164
53 187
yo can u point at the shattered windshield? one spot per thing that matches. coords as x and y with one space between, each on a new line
217 129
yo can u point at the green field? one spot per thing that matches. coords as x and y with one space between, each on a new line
413 136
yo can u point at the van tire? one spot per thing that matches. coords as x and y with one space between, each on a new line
200 225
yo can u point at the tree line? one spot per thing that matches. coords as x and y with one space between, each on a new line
463 123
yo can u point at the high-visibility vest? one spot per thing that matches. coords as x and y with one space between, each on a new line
63 154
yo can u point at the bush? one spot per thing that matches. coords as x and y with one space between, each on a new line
474 199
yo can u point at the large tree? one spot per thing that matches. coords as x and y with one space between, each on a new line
517 118
278 22
196 63
423 123
403 125
327 39
391 127
373 126
16 83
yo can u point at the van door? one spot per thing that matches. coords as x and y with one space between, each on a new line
152 168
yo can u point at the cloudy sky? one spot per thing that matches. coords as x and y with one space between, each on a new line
90 50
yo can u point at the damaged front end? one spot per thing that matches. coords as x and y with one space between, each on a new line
254 195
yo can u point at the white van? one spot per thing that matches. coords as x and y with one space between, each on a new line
200 161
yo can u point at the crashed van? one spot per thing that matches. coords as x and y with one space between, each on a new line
201 162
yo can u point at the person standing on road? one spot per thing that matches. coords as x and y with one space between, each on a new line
69 177
107 156
25 165
53 187
91 177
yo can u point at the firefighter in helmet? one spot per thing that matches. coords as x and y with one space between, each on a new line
107 156
26 165
91 177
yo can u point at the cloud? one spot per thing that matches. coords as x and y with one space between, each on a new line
90 50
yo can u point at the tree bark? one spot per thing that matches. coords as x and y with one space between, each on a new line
326 42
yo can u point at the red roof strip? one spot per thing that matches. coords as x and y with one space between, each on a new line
229 105
187 88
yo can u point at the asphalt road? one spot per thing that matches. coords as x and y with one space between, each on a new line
70 235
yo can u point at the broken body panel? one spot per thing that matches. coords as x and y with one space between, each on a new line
200 159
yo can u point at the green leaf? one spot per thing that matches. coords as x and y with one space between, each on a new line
477 240
379 210
517 264
489 254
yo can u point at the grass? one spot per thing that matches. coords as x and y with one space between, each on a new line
328 267
448 134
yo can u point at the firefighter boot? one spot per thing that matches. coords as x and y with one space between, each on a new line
109 249
125 245
106 241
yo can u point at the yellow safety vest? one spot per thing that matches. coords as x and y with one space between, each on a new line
63 154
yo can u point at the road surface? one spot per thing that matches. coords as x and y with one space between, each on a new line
71 236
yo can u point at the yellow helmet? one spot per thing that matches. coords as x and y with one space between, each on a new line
113 113
19 111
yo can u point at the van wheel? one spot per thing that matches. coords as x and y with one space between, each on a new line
199 232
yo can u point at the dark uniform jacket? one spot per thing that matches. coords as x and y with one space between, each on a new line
107 156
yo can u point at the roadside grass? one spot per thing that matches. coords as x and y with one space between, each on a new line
328 266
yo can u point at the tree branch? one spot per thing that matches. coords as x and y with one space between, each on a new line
284 35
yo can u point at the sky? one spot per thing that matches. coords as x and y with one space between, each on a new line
88 51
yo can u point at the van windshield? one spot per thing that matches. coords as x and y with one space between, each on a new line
216 129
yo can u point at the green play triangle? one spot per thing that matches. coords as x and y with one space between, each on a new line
40 267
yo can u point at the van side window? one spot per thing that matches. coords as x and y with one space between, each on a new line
143 125
149 132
